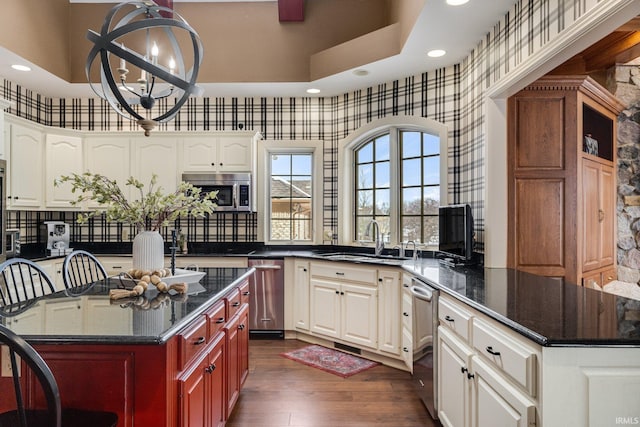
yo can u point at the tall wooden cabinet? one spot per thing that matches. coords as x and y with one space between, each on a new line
561 188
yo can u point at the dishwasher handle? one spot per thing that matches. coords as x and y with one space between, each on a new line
422 291
266 267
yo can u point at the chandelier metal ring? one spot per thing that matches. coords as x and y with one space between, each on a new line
145 16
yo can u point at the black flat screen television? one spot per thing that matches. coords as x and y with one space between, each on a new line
456 232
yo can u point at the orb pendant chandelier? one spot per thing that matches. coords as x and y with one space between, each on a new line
139 39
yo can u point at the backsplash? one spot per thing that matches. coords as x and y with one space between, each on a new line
218 227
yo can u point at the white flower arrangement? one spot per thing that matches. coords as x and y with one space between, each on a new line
148 213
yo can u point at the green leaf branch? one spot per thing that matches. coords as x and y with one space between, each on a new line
150 211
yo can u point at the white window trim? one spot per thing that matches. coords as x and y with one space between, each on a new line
265 149
346 165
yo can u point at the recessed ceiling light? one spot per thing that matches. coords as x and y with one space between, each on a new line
456 2
436 53
313 90
360 72
20 67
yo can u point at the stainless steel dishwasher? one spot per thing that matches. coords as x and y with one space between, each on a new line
425 344
266 299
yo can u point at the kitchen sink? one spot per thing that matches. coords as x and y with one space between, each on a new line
370 258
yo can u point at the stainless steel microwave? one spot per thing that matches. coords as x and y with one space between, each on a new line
234 189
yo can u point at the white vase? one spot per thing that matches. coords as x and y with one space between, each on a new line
148 251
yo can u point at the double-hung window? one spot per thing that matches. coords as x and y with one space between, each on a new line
289 192
395 175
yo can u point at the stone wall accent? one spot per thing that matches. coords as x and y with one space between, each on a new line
626 88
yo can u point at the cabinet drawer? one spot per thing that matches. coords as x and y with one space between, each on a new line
244 292
344 271
454 317
192 341
233 302
508 353
216 318
609 276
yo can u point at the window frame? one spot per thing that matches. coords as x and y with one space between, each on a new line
346 176
265 149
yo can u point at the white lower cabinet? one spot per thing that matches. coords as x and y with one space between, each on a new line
487 378
301 312
454 385
407 322
344 303
390 300
496 402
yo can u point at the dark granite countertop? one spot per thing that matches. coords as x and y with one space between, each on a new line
549 311
149 319
543 309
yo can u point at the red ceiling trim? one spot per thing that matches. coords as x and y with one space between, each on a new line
165 3
291 10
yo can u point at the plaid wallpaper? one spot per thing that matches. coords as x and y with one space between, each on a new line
452 95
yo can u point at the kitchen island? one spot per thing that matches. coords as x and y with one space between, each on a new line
155 360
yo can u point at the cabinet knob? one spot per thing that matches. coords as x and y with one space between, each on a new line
379 279
236 304
246 293
213 164
220 320
304 269
341 293
449 318
463 370
405 314
337 292
469 376
600 215
210 368
220 163
405 349
241 326
200 341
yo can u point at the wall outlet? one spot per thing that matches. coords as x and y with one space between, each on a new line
5 363
125 234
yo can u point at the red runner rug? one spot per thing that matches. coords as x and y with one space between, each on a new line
333 361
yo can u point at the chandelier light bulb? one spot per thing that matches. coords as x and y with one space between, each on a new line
172 65
154 53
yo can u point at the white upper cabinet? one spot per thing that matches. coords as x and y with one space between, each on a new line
100 152
229 152
156 155
25 166
63 156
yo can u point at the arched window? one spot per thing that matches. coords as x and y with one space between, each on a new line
397 177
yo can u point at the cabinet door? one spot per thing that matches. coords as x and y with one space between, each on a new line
301 295
110 157
63 156
194 407
453 389
359 314
199 154
608 235
325 307
232 339
26 167
156 155
389 306
496 402
235 153
598 215
243 345
216 371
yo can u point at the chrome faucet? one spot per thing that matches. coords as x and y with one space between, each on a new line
415 249
377 237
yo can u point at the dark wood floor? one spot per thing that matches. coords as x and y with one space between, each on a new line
281 392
